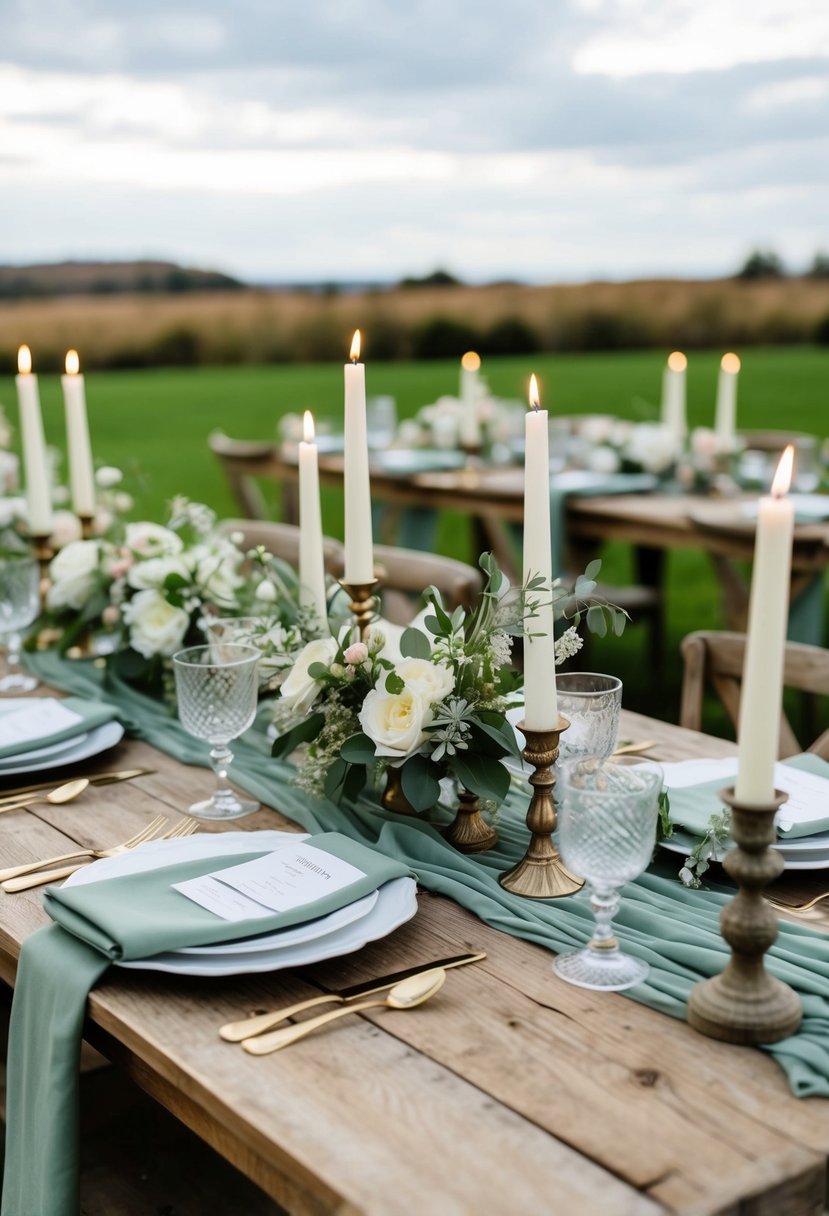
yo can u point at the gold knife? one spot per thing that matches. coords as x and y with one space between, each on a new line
234 1032
125 774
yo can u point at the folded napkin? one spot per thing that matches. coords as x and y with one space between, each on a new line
693 805
43 721
130 917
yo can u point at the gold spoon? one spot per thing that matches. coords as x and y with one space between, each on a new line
405 995
631 749
63 793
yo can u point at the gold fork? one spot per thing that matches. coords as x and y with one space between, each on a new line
186 827
777 903
30 867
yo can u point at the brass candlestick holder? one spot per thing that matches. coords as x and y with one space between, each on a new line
44 553
362 602
744 1004
87 523
469 832
541 874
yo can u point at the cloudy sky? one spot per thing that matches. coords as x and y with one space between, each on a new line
284 140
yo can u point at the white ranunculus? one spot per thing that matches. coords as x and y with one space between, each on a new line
156 626
431 681
151 540
72 573
150 575
299 689
395 722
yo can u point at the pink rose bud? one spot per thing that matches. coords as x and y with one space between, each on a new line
357 653
111 615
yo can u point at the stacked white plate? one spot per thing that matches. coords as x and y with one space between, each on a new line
68 751
340 932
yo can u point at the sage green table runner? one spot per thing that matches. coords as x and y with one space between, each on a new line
674 929
118 918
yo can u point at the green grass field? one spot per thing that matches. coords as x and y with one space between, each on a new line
154 424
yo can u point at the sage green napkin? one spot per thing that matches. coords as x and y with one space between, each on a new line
693 805
674 929
89 715
118 918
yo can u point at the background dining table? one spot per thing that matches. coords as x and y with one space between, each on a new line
510 1092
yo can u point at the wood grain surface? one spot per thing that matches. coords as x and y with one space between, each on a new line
511 1092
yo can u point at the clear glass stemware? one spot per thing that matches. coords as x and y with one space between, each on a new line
19 607
608 811
217 687
591 702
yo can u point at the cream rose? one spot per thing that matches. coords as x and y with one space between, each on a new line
150 575
430 681
73 574
151 540
299 689
395 722
156 627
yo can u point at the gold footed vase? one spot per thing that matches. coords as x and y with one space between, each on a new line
393 798
744 1004
469 832
541 874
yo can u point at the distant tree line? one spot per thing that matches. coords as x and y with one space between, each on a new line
766 264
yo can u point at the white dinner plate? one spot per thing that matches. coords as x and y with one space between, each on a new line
99 739
804 853
39 753
395 903
416 460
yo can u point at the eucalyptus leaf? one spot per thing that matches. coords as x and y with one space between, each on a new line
318 671
419 782
358 749
596 622
394 684
415 645
591 570
482 775
303 732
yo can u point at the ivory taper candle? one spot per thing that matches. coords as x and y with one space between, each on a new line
35 464
725 421
81 475
762 692
359 555
469 429
674 414
540 699
311 561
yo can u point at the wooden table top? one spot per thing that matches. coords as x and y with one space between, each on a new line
510 1093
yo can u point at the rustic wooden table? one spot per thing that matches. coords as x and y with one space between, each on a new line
510 1093
492 497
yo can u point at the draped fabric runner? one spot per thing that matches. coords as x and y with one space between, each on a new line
674 929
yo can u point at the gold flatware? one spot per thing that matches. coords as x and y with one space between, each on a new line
807 907
247 1028
56 797
632 749
185 828
29 867
125 774
405 995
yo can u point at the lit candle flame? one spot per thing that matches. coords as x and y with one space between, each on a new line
355 346
471 361
308 426
535 399
73 363
783 477
24 360
677 362
730 363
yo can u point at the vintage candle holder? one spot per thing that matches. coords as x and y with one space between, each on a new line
541 874
362 602
44 553
87 523
469 832
744 1004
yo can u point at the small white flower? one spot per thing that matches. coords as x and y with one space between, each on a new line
300 690
238 539
107 477
152 573
151 540
266 591
156 626
73 574
603 460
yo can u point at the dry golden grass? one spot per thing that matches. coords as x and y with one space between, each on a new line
258 326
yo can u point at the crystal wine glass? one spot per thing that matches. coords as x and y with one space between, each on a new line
608 812
217 690
591 703
19 607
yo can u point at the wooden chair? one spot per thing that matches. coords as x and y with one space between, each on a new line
404 573
718 658
242 462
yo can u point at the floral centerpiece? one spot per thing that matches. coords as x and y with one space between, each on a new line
144 590
614 445
440 709
442 423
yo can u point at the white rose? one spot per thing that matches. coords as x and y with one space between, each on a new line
156 626
73 574
603 460
151 540
9 471
12 509
395 722
216 570
152 573
66 528
653 446
431 681
300 690
596 429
